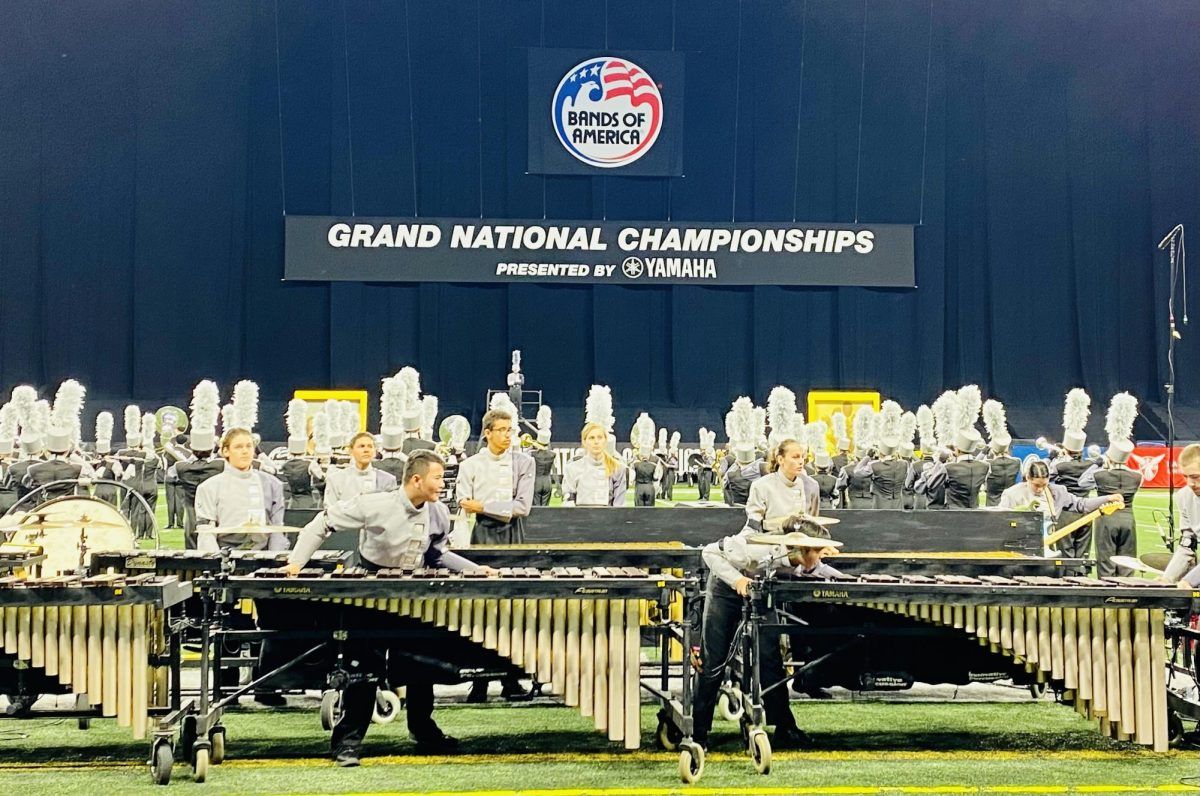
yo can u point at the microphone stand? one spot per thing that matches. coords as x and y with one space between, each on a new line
1177 266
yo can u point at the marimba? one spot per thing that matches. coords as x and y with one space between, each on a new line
577 631
1099 641
191 564
104 639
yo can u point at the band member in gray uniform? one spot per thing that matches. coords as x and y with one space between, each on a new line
596 478
962 477
732 563
359 477
405 528
496 484
238 495
1036 493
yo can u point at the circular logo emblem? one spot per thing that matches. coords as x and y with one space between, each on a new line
632 267
607 112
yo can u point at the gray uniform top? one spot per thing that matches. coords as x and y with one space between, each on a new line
233 497
734 557
347 482
504 483
394 534
774 496
1020 496
585 483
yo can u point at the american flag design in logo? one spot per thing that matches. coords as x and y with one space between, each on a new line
607 112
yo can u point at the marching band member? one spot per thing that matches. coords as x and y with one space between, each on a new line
671 467
391 429
962 477
1037 493
645 470
496 484
744 424
1003 467
239 495
405 528
544 460
826 480
704 461
137 465
1069 466
597 478
202 465
359 477
1116 534
732 563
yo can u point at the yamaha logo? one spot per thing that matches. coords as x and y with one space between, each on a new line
607 112
632 267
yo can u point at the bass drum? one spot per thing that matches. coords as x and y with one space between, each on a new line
72 529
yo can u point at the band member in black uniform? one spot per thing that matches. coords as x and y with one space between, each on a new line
201 466
888 474
1069 465
544 460
826 480
962 477
704 461
56 476
671 467
1116 534
1003 467
139 470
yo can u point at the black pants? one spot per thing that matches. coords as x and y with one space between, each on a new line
668 489
704 483
722 614
358 698
1077 544
643 494
1116 535
174 496
543 488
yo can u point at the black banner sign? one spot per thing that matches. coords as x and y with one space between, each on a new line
325 248
605 112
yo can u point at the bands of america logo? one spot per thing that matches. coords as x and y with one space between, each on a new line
607 112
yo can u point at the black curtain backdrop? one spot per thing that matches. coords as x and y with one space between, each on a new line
149 150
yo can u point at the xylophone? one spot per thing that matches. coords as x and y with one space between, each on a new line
191 564
577 631
1100 641
103 638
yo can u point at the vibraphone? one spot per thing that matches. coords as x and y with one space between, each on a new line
577 631
1101 642
106 639
191 564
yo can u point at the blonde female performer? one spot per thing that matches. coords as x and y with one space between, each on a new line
597 478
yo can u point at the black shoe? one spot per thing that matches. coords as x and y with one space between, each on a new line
270 699
818 693
479 692
790 738
437 745
346 757
513 691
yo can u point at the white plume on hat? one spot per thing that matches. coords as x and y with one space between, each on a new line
1122 412
863 427
412 413
8 422
501 401
104 432
229 417
296 418
321 432
391 409
149 426
970 402
661 444
925 427
516 360
838 419
133 425
995 422
781 413
908 428
598 408
68 408
814 436
888 434
206 399
642 435
245 404
708 439
946 415
742 424
429 413
1076 409
545 423
22 400
674 442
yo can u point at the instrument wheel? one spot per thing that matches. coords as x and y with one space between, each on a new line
85 724
387 706
1037 690
691 762
729 703
161 762
331 708
760 750
668 735
187 737
1174 727
216 740
200 763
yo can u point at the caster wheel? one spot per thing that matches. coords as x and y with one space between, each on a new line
1037 690
200 764
85 724
387 706
187 737
729 704
161 762
667 735
760 751
216 740
691 762
1174 727
331 708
